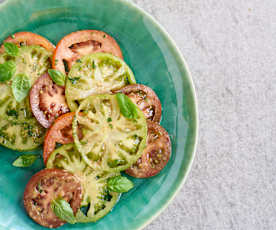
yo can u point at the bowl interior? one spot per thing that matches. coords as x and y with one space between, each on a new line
155 62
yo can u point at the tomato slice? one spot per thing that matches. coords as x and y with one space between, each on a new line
19 129
146 99
97 199
47 100
156 154
96 73
60 132
47 185
110 141
27 39
80 43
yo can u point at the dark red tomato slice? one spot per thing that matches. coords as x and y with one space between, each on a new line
80 43
156 154
60 132
47 100
43 188
29 38
146 99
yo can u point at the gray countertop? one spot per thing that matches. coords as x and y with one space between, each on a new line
230 47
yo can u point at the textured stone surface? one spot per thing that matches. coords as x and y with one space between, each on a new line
230 47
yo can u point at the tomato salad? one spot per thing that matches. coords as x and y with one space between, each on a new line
81 101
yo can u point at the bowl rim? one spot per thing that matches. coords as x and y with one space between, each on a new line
196 122
163 31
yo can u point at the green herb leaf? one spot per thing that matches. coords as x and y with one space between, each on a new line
74 80
39 188
7 70
12 113
25 160
21 85
119 184
93 65
66 67
57 76
63 210
127 79
127 107
109 119
11 49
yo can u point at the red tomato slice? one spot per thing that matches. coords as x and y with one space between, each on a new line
47 100
60 132
80 43
29 38
43 188
146 99
156 154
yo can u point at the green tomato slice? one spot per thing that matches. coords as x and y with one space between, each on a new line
96 197
19 129
31 60
110 142
97 73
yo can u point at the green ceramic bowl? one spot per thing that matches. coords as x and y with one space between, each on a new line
156 62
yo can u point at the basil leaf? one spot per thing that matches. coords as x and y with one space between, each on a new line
7 70
11 49
25 160
119 184
127 107
57 76
63 210
21 85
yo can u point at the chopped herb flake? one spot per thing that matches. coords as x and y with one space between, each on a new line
93 65
12 112
74 80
